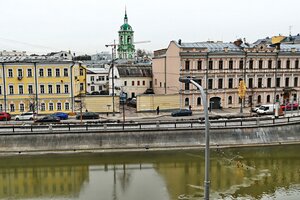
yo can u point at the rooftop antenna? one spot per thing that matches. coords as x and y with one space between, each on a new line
290 30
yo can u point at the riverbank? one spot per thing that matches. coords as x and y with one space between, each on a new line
148 140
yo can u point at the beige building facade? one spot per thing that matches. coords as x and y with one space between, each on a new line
270 71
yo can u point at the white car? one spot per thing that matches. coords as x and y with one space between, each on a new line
26 116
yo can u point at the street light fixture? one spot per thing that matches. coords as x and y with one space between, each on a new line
207 161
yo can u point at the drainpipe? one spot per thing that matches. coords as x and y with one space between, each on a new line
165 85
36 89
71 81
4 87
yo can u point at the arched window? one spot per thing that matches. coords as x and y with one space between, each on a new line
230 100
258 99
199 101
186 102
268 98
277 98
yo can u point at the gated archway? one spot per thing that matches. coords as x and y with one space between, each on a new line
215 103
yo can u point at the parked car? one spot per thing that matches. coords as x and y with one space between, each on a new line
254 109
181 112
4 116
61 115
289 106
266 109
49 118
132 102
26 116
88 115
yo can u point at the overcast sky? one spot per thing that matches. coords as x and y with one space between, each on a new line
85 26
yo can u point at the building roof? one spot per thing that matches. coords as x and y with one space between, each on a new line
135 71
211 46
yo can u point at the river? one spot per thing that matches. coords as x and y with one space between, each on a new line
236 173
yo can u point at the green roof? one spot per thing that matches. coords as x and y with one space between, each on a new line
126 27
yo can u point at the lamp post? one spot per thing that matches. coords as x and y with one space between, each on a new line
207 161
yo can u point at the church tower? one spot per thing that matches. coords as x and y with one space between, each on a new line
126 48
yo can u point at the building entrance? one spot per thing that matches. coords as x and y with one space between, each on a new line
215 103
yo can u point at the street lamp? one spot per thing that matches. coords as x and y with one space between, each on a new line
207 162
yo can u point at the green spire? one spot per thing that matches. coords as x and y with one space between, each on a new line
125 18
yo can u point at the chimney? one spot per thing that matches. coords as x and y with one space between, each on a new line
179 41
238 42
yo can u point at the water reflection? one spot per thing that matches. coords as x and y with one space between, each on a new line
246 173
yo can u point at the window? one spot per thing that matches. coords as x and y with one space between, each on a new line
297 64
230 100
21 89
11 89
58 106
66 89
268 99
220 83
199 65
259 85
260 64
186 102
187 65
20 73
51 108
42 89
30 89
66 73
12 107
1 107
258 99
155 81
57 72
81 72
22 107
138 82
230 83
132 83
269 82
43 107
100 87
251 64
199 81
50 89
92 78
250 83
220 64
278 64
199 101
67 106
81 87
288 63
41 72
296 82
125 83
270 64
241 66
49 72
287 80
10 73
92 88
210 64
210 84
187 86
58 89
230 64
29 72
278 82
250 99
144 82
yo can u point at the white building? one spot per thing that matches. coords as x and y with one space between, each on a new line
97 79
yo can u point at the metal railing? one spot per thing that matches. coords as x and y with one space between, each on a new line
100 126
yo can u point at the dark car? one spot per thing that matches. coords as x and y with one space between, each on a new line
88 115
61 115
49 118
132 102
181 112
4 116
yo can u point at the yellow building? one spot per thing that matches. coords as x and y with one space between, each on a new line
42 86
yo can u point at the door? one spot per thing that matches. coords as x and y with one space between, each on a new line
215 103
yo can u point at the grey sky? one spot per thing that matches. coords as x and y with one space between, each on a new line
85 26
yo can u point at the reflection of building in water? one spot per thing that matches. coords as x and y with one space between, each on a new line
30 182
252 176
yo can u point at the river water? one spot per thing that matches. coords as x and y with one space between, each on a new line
236 173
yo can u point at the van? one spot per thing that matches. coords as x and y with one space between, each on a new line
266 109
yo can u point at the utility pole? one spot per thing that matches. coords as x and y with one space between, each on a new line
113 49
